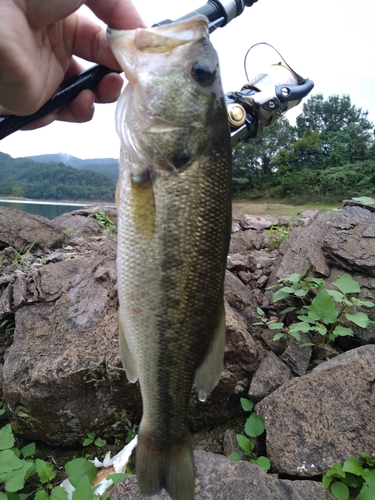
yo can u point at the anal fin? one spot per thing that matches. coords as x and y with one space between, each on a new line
208 373
127 359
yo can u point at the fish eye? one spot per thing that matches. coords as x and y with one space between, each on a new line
202 74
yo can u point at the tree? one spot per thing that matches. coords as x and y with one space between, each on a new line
332 118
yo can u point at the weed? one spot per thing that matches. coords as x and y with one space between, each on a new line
8 325
277 234
19 260
353 477
321 310
104 220
19 466
91 439
254 427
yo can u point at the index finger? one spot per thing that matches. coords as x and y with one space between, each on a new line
119 14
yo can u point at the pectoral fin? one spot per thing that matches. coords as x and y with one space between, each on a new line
208 373
127 359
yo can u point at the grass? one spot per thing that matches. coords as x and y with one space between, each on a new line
281 209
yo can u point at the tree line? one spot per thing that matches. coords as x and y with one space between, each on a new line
23 177
329 154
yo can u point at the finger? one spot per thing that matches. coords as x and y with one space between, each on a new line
80 110
119 14
41 14
109 88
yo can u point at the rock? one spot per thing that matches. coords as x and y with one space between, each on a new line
239 262
237 294
218 478
253 222
21 230
62 376
324 417
77 223
271 374
296 357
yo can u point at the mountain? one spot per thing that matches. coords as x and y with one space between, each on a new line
25 177
106 166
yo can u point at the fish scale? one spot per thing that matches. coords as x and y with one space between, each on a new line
174 214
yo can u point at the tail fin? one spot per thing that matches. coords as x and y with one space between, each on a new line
172 471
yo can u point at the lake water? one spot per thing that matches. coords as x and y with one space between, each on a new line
50 210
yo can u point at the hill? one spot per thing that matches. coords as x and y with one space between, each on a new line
52 181
105 166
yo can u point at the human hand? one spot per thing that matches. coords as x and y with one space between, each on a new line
37 44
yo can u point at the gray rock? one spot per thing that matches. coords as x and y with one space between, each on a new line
271 374
296 357
21 230
218 478
254 222
324 417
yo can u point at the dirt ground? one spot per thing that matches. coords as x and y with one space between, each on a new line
240 208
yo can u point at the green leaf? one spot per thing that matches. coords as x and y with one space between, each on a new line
299 327
301 292
235 457
6 437
260 311
326 481
78 468
246 404
87 442
84 490
244 443
263 463
100 442
41 495
359 318
293 278
288 310
352 481
15 479
337 296
278 336
370 461
117 477
280 294
58 493
45 471
336 471
353 465
346 284
296 336
340 491
320 329
322 308
366 493
342 331
307 344
29 450
359 302
275 326
254 425
9 462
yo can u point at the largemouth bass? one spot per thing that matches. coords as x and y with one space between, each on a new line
174 214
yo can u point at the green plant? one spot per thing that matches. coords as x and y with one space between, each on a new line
19 260
23 476
321 310
8 325
90 439
254 427
354 476
277 234
104 220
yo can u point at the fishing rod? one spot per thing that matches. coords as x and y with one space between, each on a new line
258 104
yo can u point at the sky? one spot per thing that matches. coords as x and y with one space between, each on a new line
329 41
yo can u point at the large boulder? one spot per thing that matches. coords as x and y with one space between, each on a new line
217 478
324 417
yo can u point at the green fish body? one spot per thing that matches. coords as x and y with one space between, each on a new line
174 215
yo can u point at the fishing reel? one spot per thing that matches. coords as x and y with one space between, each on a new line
264 99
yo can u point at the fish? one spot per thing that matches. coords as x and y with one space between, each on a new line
174 218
